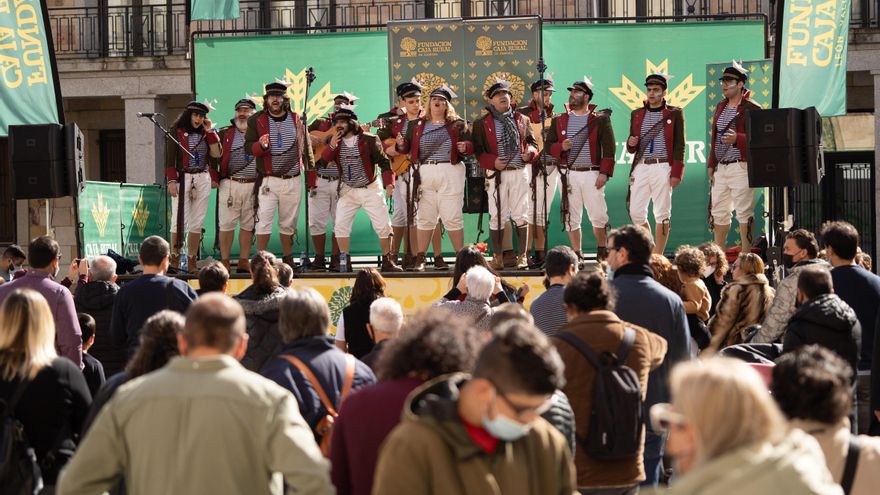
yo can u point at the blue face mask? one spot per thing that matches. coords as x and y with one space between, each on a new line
504 428
609 272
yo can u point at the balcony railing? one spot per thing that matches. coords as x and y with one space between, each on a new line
157 30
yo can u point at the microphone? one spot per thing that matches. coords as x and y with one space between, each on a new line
147 114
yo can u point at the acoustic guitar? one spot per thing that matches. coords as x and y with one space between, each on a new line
320 139
399 163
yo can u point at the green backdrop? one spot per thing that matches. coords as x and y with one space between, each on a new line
616 57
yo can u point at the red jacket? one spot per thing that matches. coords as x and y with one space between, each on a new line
745 105
182 162
601 138
371 155
258 125
673 131
455 131
534 114
486 145
227 136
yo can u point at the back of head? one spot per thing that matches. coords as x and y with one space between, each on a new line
480 283
559 261
86 326
727 403
432 344
214 321
14 252
664 272
510 312
158 343
213 277
805 240
386 316
842 237
589 291
102 269
154 250
467 258
815 281
636 240
750 264
368 286
303 314
520 359
263 272
27 342
42 251
689 261
285 274
813 383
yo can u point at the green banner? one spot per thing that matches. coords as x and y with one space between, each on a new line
27 81
99 215
143 211
120 216
428 51
812 70
622 57
205 10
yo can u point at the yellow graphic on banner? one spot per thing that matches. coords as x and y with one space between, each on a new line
430 82
633 96
517 86
28 61
141 214
100 213
319 104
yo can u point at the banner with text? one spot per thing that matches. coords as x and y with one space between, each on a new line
120 216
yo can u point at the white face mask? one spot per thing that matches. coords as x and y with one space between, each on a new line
609 273
708 271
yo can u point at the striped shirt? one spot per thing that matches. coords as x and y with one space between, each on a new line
725 152
657 147
353 173
435 144
513 155
548 312
198 146
282 139
578 141
242 165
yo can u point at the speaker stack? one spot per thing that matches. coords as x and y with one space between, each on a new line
46 160
784 147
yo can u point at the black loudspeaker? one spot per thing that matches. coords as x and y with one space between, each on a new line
784 147
46 160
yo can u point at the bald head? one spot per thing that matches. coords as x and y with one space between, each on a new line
214 322
103 269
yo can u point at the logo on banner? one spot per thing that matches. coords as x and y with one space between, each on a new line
484 46
319 104
100 213
633 96
141 214
487 47
517 86
408 45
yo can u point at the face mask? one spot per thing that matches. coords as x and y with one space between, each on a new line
708 271
504 428
609 272
787 260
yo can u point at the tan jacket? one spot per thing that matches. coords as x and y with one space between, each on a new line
743 303
198 426
834 440
603 332
431 453
696 298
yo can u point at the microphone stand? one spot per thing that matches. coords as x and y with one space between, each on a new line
542 69
306 262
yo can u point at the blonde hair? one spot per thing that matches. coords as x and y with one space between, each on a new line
451 115
728 405
27 339
750 264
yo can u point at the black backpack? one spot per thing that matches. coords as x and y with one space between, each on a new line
19 470
616 419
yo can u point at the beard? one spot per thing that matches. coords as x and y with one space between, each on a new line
576 104
241 125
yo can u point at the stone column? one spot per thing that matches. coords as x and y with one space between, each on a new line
144 142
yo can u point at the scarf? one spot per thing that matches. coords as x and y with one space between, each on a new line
508 146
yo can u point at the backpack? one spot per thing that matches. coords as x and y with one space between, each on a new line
616 420
324 428
19 469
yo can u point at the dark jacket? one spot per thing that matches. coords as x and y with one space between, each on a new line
714 292
561 416
828 321
860 289
97 298
327 363
261 313
52 410
357 340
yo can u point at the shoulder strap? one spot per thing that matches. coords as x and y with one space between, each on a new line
325 400
582 347
852 462
629 338
349 378
11 403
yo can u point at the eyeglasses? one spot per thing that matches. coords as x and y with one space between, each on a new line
729 79
664 417
521 410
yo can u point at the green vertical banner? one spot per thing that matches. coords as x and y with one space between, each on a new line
812 69
143 211
27 80
206 10
99 217
428 51
505 49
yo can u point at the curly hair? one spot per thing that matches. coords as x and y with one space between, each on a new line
665 273
158 343
690 260
813 383
430 344
590 291
711 249
263 271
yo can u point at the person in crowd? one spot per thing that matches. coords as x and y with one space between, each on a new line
717 454
44 256
431 345
309 361
644 302
714 273
744 302
213 277
261 302
664 272
813 388
482 433
589 301
158 346
285 274
45 392
560 264
799 252
96 298
11 262
478 286
509 312
690 263
148 294
386 318
860 289
470 257
351 327
78 272
864 260
93 370
203 422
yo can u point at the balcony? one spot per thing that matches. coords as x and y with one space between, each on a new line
151 29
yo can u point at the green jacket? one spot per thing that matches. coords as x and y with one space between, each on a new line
198 426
